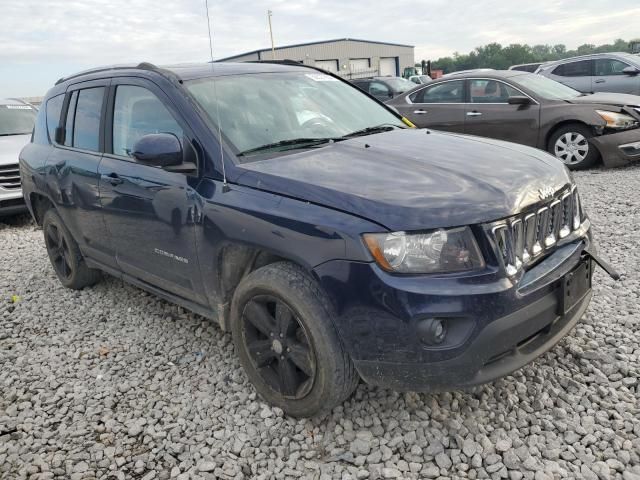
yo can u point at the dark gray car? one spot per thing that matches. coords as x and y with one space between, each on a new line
602 72
384 88
525 108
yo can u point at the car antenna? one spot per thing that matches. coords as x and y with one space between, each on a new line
225 185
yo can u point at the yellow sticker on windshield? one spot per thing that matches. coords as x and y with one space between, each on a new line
408 122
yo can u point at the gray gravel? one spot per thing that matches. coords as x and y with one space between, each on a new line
114 383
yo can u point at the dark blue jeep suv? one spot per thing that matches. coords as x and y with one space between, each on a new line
333 240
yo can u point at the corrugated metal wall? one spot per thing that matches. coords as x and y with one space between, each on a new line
343 51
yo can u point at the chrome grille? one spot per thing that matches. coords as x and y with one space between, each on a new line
523 238
10 176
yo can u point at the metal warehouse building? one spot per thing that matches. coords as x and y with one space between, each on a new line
347 57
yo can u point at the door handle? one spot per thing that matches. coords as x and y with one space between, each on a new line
114 179
420 112
601 80
474 114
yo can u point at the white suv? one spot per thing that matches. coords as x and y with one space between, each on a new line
16 123
601 72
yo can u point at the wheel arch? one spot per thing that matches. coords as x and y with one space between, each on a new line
564 123
40 204
234 263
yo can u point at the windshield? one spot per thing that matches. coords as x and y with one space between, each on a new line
267 108
16 119
545 87
400 85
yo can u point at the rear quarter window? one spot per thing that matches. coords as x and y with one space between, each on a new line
574 69
53 109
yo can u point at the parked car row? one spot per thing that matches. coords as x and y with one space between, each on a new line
567 113
529 109
336 243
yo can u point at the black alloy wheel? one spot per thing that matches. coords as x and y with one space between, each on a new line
65 255
278 346
59 251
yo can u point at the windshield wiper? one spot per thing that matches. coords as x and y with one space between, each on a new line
385 127
293 142
12 134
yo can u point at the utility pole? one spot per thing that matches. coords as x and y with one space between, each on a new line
273 48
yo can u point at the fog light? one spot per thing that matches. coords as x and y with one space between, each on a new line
432 331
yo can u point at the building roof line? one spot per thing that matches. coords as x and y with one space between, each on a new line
335 40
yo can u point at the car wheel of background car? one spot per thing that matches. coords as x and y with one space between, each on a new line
283 331
65 256
570 144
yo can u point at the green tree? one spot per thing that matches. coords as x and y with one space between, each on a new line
494 55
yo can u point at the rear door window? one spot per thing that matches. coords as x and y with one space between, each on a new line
71 115
86 124
574 69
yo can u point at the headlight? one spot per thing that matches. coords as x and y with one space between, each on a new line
439 251
619 121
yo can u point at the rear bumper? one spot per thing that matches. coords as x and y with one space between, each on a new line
618 149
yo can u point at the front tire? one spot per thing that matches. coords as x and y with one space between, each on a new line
64 254
571 145
283 332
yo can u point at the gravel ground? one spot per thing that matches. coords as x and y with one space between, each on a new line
114 383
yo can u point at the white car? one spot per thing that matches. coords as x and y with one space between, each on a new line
16 123
420 79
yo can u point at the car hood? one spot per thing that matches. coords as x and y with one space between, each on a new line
10 146
413 179
606 98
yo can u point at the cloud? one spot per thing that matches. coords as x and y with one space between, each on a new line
42 41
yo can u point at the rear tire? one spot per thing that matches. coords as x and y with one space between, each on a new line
571 145
64 254
283 332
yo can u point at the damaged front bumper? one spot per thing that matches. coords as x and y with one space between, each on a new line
493 326
619 149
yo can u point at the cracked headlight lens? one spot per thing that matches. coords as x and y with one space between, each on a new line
438 251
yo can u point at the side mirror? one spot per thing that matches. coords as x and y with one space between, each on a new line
631 71
520 100
158 149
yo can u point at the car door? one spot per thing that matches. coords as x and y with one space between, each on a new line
439 106
577 75
72 169
150 212
609 76
489 114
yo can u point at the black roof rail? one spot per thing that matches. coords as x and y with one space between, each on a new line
139 66
281 62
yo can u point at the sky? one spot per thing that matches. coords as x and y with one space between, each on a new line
43 40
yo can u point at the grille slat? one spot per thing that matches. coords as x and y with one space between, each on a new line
525 237
10 176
